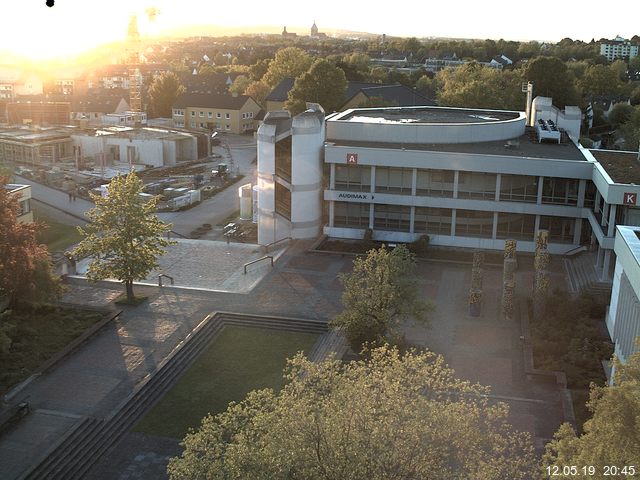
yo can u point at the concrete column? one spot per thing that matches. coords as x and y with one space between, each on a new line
373 180
453 221
605 214
498 181
412 218
604 275
494 232
599 257
414 182
612 220
332 180
596 202
540 185
536 227
456 178
577 231
331 212
371 216
582 190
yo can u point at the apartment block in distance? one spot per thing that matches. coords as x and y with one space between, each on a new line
618 48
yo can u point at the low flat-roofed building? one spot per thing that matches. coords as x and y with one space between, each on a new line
156 147
23 194
623 314
30 146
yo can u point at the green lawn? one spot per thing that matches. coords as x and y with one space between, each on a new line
56 236
37 334
241 359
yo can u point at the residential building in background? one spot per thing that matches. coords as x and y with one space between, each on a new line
224 113
618 48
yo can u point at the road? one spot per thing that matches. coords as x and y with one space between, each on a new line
213 210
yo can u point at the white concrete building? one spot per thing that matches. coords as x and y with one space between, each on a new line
23 194
618 48
623 315
154 147
465 177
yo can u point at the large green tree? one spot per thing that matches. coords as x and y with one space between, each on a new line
25 269
124 237
629 131
600 80
163 91
382 290
612 435
390 416
288 62
551 78
475 86
324 83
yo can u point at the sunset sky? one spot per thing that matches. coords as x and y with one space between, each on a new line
73 26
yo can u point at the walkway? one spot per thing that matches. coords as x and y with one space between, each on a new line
94 380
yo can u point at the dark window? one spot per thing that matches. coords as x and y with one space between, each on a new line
353 177
516 225
560 191
391 217
477 185
283 159
347 214
435 183
560 228
283 201
394 180
519 188
474 223
432 220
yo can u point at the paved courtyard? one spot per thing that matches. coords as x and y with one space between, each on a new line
100 374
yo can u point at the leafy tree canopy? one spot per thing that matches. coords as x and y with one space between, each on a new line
612 435
163 91
124 237
475 86
288 62
380 292
25 270
324 83
390 416
258 91
600 80
551 78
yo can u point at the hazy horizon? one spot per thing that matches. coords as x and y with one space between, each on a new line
75 26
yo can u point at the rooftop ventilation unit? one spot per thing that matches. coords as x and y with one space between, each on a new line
547 130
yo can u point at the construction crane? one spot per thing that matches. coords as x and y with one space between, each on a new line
133 61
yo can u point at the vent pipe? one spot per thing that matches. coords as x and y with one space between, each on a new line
528 88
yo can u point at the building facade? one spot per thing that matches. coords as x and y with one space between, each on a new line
464 177
224 113
618 48
623 314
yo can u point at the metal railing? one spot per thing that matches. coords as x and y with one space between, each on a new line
267 246
578 249
256 261
166 276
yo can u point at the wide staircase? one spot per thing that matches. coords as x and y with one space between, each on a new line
75 454
582 276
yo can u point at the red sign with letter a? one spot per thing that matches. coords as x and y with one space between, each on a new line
630 198
352 158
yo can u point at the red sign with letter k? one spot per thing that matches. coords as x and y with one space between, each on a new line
630 198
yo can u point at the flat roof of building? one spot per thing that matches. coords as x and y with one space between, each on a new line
622 167
29 135
522 146
424 114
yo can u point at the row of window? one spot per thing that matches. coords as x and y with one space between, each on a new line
472 185
437 221
180 113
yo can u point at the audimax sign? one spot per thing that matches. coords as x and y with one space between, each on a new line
355 196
